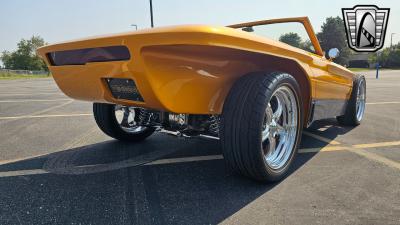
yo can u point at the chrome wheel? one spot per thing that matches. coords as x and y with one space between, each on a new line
125 117
360 103
280 127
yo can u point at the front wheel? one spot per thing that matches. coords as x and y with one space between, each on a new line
356 105
119 122
261 125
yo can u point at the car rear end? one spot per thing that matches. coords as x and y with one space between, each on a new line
181 69
99 69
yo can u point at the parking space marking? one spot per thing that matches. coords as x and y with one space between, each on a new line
376 157
30 94
81 139
185 159
36 114
16 173
35 100
358 149
381 103
3 162
354 148
323 149
320 138
45 116
379 144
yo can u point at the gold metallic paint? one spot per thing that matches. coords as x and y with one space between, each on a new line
190 69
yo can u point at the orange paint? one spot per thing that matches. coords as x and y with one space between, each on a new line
190 69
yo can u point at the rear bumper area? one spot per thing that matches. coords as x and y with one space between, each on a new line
187 69
177 72
176 78
91 82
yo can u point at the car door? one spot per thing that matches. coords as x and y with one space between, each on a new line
332 85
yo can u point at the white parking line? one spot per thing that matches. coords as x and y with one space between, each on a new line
16 173
31 94
354 149
156 162
34 100
185 159
45 116
381 103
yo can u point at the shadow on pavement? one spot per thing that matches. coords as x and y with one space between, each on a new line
108 183
329 128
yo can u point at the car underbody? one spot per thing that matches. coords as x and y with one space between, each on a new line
185 125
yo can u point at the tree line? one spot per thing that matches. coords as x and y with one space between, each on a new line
389 57
25 57
332 35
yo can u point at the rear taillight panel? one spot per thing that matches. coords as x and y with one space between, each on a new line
88 55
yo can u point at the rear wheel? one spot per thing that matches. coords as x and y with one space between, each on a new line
261 125
356 105
119 122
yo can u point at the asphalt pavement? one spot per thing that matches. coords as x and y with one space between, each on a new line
57 167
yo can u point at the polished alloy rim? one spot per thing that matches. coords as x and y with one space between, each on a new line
126 119
280 127
360 104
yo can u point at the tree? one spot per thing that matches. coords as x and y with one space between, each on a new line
295 40
333 35
291 38
308 46
25 56
388 57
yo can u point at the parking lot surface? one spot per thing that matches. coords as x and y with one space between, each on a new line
57 167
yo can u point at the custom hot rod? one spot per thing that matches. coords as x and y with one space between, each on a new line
253 93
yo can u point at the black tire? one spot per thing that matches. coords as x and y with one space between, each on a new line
350 117
104 114
241 124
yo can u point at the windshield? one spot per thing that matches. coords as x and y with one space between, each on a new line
292 33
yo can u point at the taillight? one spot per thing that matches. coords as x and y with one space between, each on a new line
87 55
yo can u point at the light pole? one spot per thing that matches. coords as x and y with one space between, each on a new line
151 13
134 25
391 40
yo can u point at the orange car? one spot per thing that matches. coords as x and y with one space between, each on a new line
253 93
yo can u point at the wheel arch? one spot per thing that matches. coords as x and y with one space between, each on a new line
217 68
296 69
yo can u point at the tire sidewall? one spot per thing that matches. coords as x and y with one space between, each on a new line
290 82
106 120
360 80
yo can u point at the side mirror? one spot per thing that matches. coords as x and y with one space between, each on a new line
333 53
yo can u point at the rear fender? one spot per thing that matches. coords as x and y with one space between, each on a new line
197 78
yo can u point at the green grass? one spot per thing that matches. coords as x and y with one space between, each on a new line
12 76
360 69
370 69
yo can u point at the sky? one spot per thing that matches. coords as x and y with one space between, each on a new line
60 20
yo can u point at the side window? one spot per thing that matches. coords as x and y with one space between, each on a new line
292 33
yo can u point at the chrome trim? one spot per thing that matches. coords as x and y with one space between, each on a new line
125 117
360 102
280 127
327 108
